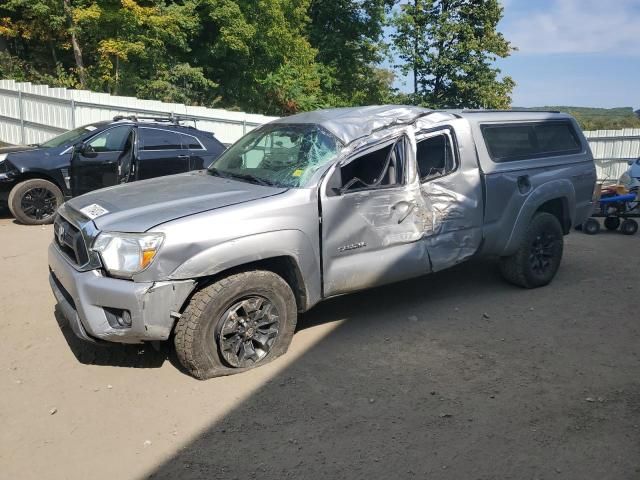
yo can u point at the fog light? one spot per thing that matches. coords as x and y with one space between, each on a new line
117 317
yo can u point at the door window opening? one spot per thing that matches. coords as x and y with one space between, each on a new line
381 168
435 157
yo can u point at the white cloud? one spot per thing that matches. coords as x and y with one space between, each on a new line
573 26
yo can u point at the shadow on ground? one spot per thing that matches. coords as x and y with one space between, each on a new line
116 355
455 376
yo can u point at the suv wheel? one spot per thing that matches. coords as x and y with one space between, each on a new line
35 201
536 261
235 324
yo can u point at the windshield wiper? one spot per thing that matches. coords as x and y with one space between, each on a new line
219 173
241 176
253 178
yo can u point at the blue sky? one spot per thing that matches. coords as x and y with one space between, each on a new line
573 52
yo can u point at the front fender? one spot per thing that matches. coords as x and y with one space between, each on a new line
554 189
244 250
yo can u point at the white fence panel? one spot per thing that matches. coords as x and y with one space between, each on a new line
613 149
33 113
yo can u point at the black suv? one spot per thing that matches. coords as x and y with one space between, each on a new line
35 180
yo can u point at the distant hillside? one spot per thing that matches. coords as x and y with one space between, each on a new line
599 118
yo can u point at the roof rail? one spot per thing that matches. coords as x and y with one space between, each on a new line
513 110
171 118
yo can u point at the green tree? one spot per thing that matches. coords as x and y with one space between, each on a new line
258 53
38 32
450 47
348 35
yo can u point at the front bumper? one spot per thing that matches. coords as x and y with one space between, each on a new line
6 184
83 297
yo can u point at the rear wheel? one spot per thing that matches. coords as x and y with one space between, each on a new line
612 223
35 201
629 227
537 260
235 324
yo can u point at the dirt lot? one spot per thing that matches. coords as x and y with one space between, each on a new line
456 376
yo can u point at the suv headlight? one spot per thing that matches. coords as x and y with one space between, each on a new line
125 254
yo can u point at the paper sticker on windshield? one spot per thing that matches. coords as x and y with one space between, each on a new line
94 211
297 173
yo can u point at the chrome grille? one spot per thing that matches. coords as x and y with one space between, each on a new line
70 241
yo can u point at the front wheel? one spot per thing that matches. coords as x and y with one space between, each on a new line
538 258
35 201
235 324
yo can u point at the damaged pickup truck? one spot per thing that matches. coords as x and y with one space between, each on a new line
313 206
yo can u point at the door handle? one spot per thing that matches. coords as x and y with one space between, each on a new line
524 184
183 157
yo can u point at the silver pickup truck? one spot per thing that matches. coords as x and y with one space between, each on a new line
313 206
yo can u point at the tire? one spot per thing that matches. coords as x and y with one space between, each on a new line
612 223
210 341
538 257
591 226
629 227
35 201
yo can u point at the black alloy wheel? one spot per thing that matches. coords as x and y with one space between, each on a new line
542 252
35 201
248 330
39 203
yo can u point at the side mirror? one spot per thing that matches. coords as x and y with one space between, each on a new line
631 162
84 149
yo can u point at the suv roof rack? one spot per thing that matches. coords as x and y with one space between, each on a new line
171 118
514 110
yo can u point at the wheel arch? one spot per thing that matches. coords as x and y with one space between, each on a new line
284 266
288 253
38 175
556 197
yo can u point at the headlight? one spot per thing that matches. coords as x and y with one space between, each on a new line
125 254
2 157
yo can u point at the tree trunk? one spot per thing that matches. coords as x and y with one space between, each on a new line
54 57
77 51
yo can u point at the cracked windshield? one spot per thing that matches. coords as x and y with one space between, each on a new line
280 155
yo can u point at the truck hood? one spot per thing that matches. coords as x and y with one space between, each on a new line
140 206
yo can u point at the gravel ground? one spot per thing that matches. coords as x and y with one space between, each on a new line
453 376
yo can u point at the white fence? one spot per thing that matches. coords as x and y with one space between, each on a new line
613 149
34 113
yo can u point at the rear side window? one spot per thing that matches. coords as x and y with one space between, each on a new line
191 142
508 143
158 139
